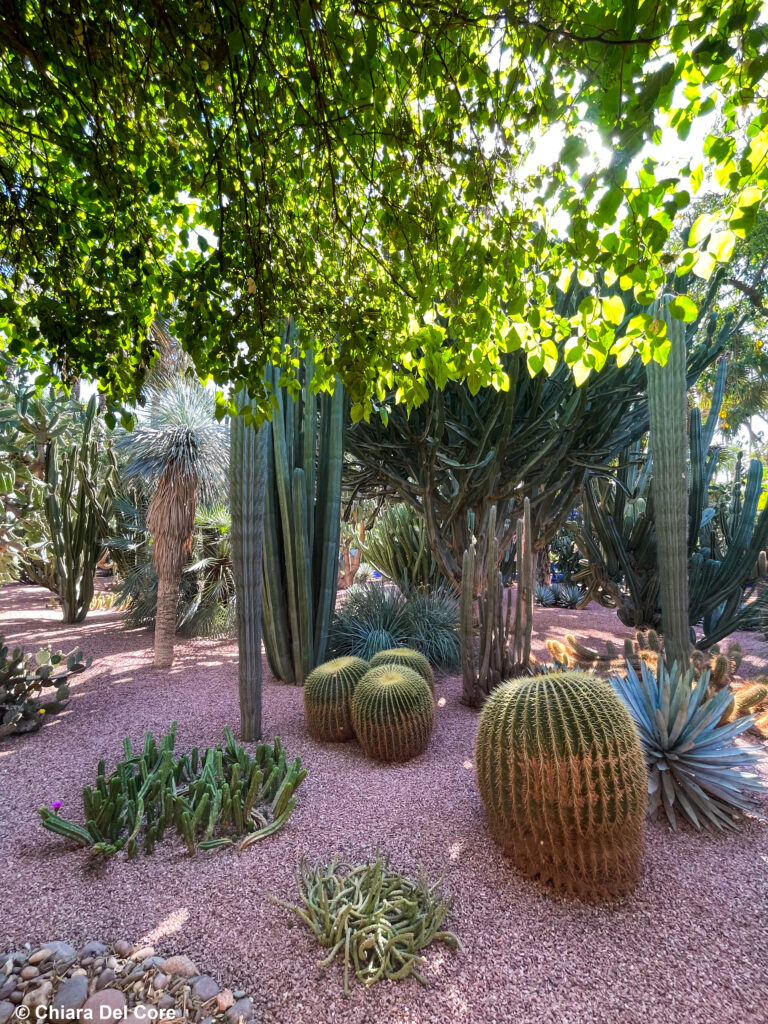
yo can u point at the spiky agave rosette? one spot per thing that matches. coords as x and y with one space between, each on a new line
693 764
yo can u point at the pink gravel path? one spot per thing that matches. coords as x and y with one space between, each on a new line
690 947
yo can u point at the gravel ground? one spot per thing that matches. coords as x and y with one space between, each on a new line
690 947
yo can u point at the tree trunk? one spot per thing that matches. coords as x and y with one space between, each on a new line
165 620
248 470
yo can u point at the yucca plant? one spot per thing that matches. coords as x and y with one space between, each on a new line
694 767
179 447
374 618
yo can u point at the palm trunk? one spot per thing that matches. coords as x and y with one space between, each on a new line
165 621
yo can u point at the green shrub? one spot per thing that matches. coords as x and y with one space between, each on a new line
397 546
393 713
375 618
561 774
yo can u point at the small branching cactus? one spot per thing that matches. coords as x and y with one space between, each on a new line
561 773
393 713
406 656
328 696
746 700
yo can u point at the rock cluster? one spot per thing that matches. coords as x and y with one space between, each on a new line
132 982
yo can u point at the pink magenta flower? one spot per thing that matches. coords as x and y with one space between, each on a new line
56 805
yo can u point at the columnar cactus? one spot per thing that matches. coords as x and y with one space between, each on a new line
407 657
561 773
328 696
505 642
668 409
78 509
393 713
302 522
247 483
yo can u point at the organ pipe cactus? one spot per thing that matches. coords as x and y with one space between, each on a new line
393 713
247 486
328 694
405 656
561 774
505 643
668 411
302 520
78 509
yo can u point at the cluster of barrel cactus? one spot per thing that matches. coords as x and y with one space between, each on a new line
561 773
221 796
22 680
388 704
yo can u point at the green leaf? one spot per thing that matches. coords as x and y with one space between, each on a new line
683 308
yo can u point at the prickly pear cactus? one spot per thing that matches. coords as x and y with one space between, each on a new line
562 776
328 696
410 659
393 713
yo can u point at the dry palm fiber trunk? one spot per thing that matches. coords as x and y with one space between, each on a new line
171 521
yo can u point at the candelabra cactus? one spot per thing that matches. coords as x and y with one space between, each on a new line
561 774
78 509
393 713
505 643
302 521
407 657
328 698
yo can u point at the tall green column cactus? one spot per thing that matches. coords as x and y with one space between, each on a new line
668 410
505 643
78 509
302 523
247 486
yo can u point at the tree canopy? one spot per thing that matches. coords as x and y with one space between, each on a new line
369 168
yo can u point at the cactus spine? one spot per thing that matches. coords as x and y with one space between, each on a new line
668 410
407 657
78 509
561 773
505 644
393 713
302 521
247 484
328 698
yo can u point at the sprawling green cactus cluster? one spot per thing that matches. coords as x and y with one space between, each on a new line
393 713
219 797
328 694
561 773
408 658
22 707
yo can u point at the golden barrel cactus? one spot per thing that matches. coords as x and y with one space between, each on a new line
562 776
393 713
327 698
406 656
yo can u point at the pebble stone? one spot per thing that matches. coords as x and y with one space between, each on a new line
205 988
72 993
180 965
108 997
6 1009
30 972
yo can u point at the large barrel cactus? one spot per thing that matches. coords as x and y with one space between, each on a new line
328 697
562 776
408 658
393 713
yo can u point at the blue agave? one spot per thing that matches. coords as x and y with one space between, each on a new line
694 766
